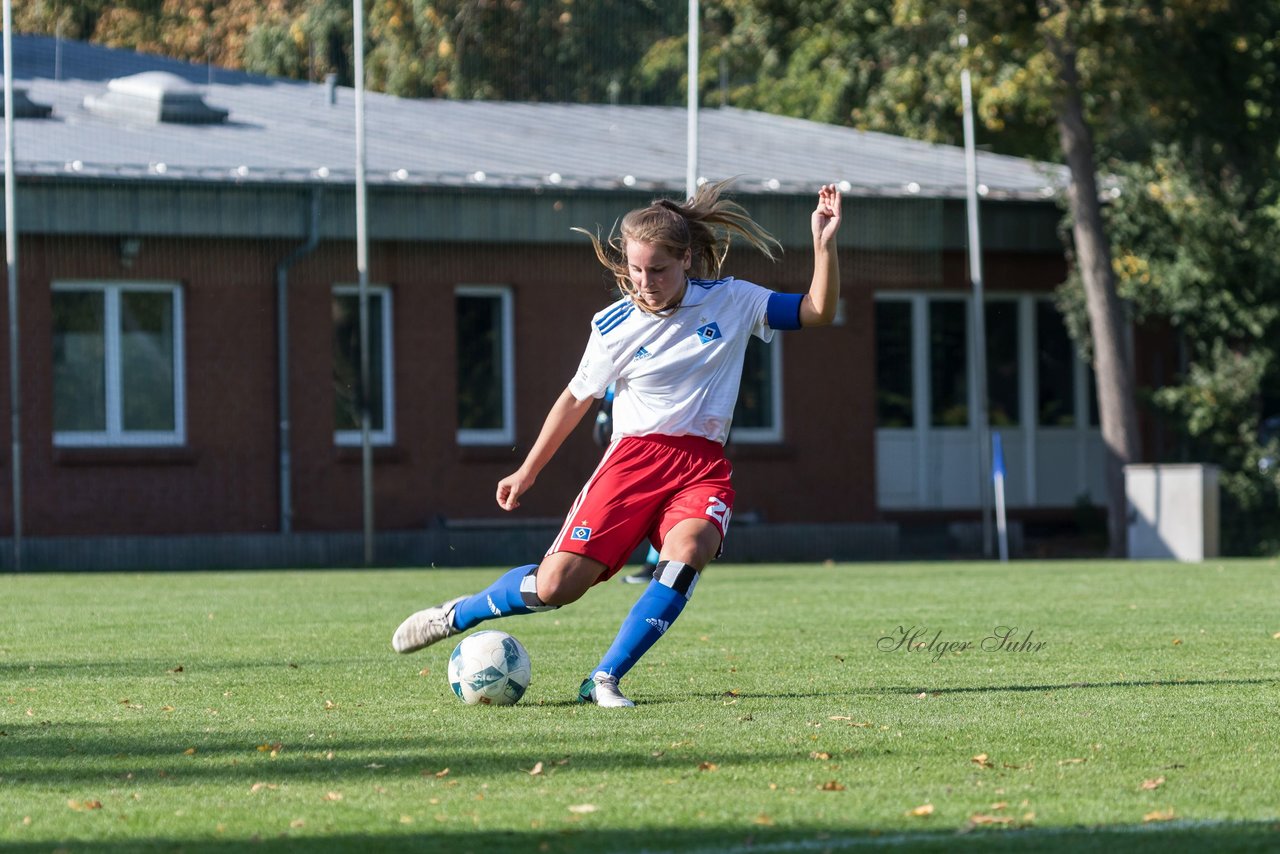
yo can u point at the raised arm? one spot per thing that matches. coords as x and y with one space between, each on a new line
565 414
818 308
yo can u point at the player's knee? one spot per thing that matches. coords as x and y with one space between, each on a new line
561 585
692 550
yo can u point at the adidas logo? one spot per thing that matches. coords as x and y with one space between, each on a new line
493 606
660 625
642 353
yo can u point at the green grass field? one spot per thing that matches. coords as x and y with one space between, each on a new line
219 711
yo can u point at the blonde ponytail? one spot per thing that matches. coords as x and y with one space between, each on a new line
704 225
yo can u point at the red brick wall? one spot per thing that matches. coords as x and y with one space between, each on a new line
226 479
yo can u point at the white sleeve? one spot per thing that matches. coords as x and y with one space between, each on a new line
595 371
755 302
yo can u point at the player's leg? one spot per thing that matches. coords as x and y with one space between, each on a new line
687 548
598 534
561 578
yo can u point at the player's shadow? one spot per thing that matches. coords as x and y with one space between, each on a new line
1067 686
891 690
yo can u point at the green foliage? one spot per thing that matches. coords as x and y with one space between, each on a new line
1197 250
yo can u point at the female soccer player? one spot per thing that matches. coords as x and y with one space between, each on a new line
673 346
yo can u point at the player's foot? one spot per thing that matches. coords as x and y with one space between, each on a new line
602 689
641 576
426 627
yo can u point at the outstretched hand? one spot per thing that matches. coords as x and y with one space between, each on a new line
826 216
511 487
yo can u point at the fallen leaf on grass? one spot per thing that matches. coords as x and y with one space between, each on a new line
921 811
272 748
763 819
707 766
1153 784
1158 815
839 718
582 809
80 806
258 787
821 755
330 705
426 671
536 769
1177 641
982 820
832 786
297 823
190 751
982 761
166 708
999 805
1276 636
443 772
333 796
1073 761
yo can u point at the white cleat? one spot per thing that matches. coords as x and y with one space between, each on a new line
426 627
602 689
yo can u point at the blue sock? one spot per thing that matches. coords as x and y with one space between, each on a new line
651 616
515 592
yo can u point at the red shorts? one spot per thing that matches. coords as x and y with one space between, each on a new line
643 487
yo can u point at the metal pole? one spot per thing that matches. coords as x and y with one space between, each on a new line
691 167
11 262
362 267
979 348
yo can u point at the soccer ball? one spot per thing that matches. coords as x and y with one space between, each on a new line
489 668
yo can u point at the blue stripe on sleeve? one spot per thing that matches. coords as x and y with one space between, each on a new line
783 311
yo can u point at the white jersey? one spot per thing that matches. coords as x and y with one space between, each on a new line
675 374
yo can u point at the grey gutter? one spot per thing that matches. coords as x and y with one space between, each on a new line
282 358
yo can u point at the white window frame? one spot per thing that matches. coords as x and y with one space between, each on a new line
506 434
387 435
774 432
115 435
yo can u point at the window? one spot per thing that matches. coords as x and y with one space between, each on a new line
1055 368
949 363
1001 322
894 402
486 365
117 364
346 366
757 417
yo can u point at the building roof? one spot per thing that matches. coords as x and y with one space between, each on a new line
284 131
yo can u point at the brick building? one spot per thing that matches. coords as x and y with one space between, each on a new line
187 271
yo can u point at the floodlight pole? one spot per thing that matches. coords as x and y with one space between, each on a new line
691 167
979 348
11 263
362 267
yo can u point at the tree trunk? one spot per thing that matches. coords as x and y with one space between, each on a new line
1116 402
